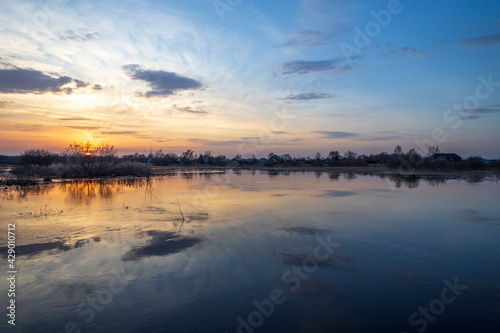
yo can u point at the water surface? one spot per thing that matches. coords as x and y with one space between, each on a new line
210 252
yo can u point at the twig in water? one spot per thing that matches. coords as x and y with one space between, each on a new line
183 219
180 210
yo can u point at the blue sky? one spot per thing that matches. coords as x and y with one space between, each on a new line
241 76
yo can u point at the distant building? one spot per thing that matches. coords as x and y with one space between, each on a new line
447 157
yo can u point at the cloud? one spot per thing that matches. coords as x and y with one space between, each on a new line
307 96
471 114
87 128
162 83
28 81
81 35
187 109
97 87
217 143
411 51
305 67
74 119
386 138
119 132
27 128
388 50
309 39
335 134
480 42
5 104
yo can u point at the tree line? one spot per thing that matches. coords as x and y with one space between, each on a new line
86 160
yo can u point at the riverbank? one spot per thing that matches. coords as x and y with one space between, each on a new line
382 171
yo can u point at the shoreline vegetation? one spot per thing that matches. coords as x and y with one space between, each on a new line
85 160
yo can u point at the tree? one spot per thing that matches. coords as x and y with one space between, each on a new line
40 157
93 160
398 150
433 150
350 155
414 158
270 155
187 155
317 156
334 155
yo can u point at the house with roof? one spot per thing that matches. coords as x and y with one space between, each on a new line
446 157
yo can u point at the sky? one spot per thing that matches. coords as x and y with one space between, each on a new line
251 76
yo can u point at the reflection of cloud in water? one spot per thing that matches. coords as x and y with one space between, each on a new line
76 290
473 216
309 231
162 243
298 259
336 194
199 217
37 248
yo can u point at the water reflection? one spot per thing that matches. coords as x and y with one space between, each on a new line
84 191
336 194
201 272
22 250
20 193
474 216
161 244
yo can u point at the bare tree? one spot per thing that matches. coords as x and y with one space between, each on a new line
432 150
350 155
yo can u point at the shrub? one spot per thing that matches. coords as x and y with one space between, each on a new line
475 163
40 157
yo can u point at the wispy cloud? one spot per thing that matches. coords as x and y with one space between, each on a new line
305 67
386 138
97 87
389 50
309 39
208 143
29 81
119 132
162 83
81 35
27 128
481 41
74 118
188 109
5 104
88 128
307 96
335 134
471 114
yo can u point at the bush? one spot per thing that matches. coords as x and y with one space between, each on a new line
40 157
475 163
